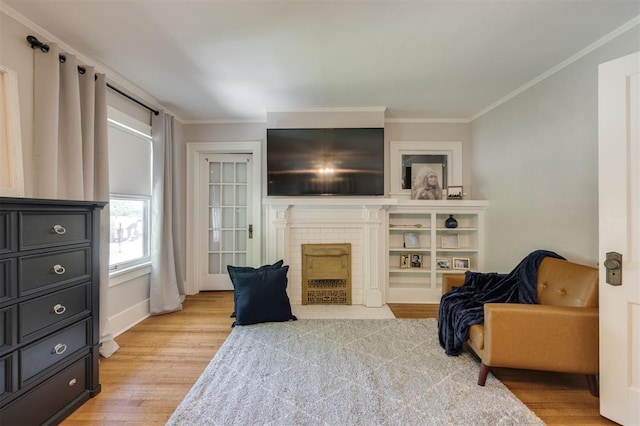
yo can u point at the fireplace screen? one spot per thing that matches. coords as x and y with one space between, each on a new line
326 274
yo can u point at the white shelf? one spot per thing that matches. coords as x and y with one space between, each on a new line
409 271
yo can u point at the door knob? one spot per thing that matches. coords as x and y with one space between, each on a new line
613 265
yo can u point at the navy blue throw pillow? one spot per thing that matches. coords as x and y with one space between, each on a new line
232 270
262 297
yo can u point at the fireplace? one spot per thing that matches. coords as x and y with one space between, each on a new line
326 274
359 222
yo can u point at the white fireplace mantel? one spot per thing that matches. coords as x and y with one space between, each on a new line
360 221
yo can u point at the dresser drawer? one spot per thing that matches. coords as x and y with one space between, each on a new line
43 270
40 229
45 402
38 314
52 349
7 279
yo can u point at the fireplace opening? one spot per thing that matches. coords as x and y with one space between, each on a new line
326 274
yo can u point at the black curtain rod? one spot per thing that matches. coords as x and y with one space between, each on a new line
35 43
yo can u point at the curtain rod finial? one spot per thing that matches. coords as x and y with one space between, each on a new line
34 42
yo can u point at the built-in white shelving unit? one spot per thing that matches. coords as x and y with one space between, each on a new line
424 221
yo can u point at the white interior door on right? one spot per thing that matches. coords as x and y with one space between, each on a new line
619 238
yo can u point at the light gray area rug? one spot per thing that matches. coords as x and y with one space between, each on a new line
341 312
345 372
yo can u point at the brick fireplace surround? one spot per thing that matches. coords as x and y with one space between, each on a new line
291 222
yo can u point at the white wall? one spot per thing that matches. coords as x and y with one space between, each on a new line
535 159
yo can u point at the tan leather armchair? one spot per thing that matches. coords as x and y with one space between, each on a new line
559 333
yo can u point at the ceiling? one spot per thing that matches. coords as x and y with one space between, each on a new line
234 60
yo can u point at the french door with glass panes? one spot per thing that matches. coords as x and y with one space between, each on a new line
225 218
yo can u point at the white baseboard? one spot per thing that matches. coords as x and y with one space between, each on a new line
126 319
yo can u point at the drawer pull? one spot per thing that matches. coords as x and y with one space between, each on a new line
58 229
59 309
72 382
59 349
58 269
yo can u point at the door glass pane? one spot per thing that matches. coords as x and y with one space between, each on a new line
241 240
241 218
214 172
227 218
227 195
215 218
214 263
241 172
227 172
241 195
227 259
227 241
241 259
215 198
214 240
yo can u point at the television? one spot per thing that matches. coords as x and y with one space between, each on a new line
316 162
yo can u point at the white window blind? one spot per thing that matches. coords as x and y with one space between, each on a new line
130 156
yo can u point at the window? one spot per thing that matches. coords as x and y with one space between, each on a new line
130 162
129 231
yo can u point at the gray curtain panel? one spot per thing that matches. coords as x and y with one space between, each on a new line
70 151
167 292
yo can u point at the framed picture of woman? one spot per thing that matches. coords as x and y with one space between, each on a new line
426 181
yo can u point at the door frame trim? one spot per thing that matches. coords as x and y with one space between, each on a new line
194 150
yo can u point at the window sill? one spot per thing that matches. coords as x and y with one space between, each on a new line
124 275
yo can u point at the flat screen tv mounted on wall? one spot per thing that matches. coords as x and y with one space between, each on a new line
312 162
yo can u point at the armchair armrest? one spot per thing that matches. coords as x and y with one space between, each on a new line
541 337
451 280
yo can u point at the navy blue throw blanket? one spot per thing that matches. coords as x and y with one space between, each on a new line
463 306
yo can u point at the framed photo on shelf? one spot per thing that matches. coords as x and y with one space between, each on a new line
411 240
416 261
454 192
404 260
449 241
461 263
443 262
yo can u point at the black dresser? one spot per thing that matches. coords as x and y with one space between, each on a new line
49 300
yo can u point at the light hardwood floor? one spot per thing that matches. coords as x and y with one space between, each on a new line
161 358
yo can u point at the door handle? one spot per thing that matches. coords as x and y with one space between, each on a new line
613 265
250 231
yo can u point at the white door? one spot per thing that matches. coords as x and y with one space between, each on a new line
619 201
225 218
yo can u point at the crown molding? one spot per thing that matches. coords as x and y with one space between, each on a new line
428 120
570 60
326 109
225 121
